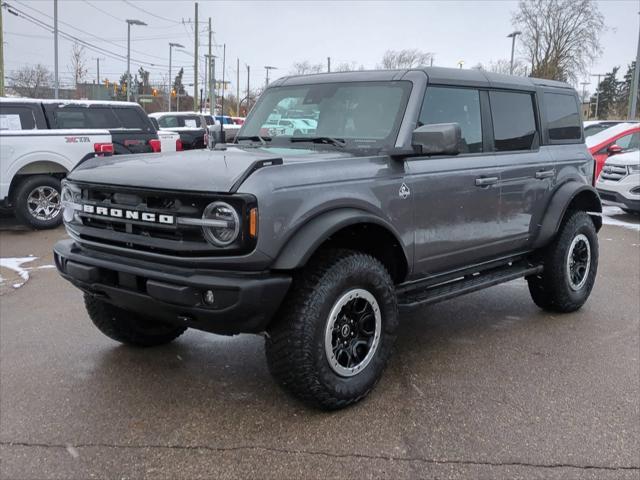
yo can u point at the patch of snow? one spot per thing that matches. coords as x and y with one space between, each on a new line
15 264
610 214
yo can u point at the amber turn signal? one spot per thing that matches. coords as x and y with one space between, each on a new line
253 222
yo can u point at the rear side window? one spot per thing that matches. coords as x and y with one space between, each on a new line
168 122
131 118
101 118
514 123
16 118
191 122
84 117
563 118
455 105
68 118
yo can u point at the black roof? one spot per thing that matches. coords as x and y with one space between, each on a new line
437 75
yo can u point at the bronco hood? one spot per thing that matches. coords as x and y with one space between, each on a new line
202 170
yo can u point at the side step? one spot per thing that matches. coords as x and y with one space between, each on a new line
415 295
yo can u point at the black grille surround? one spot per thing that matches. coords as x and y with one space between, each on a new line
173 239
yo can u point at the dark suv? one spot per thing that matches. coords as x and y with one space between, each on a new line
415 186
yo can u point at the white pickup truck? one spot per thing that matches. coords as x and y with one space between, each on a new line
34 161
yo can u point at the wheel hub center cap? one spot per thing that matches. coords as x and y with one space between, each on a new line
345 331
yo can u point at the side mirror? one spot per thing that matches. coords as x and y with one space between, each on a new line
437 139
216 136
614 149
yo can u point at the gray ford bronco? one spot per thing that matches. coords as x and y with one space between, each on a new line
393 190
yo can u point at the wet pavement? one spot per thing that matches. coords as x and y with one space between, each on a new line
483 386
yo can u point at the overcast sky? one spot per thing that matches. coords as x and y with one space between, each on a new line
275 33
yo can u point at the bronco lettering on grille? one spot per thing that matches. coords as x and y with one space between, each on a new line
125 214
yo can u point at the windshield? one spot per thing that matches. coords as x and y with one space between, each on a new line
362 114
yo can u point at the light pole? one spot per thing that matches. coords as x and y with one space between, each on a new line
267 68
211 64
513 36
633 92
584 94
129 23
171 45
597 91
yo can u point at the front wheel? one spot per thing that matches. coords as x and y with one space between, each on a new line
336 330
570 266
38 202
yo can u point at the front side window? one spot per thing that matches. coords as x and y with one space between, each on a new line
629 142
514 123
455 105
563 117
362 114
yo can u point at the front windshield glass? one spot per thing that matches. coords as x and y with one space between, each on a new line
361 114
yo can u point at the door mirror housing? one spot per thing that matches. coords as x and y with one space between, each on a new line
614 149
437 139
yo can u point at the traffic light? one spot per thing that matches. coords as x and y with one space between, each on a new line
154 92
173 92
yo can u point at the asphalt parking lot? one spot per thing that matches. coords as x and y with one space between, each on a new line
484 386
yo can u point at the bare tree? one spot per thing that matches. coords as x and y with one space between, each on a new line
407 58
78 63
347 67
305 67
31 81
560 38
503 66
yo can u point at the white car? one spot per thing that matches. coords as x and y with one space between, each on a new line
619 181
169 140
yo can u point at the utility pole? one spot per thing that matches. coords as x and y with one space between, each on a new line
213 83
224 65
1 55
633 93
328 64
196 59
171 45
238 87
584 96
209 72
56 84
129 23
267 68
513 36
597 91
248 88
98 70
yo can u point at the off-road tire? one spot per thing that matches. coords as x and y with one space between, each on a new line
551 289
127 327
295 344
22 213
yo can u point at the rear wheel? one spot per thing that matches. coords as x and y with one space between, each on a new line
570 266
336 330
38 202
128 327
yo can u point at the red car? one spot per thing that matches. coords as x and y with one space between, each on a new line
616 139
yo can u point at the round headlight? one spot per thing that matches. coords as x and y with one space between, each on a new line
226 215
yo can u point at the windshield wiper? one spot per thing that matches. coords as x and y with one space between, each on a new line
338 142
253 138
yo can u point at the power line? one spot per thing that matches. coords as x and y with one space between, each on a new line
103 11
149 13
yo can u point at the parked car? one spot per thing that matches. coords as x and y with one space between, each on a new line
169 141
238 120
417 186
34 159
613 140
191 126
619 182
230 128
591 127
130 128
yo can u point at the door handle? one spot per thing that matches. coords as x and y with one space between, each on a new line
486 181
545 174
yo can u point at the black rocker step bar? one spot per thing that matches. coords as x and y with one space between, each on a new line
419 294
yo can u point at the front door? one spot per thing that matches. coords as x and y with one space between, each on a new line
456 199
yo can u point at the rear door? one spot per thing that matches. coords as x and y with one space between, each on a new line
456 198
527 172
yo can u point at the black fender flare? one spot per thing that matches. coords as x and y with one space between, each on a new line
306 240
558 207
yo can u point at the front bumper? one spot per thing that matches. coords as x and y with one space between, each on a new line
243 302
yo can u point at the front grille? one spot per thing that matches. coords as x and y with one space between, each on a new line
614 172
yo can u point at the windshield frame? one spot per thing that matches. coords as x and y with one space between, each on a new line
350 143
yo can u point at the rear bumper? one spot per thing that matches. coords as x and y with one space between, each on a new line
243 302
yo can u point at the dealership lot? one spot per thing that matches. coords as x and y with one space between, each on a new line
484 386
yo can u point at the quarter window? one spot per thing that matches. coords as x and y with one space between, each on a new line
514 123
562 116
455 105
